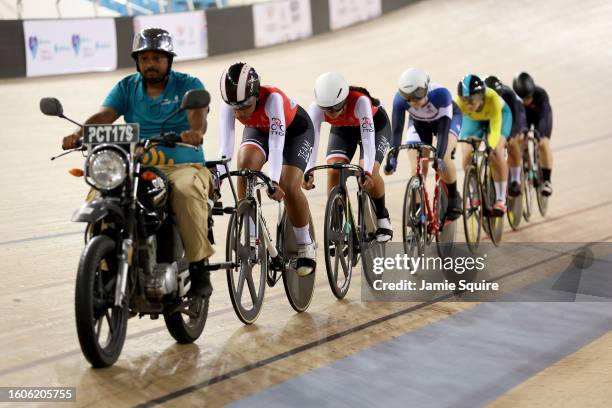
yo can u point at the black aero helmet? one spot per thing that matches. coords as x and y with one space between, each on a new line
493 82
153 39
470 85
523 84
238 83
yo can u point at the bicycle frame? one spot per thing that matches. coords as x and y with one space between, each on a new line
433 225
347 170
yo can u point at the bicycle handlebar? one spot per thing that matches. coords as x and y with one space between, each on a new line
353 169
411 145
248 173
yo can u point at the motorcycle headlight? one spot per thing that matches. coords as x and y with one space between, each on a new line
107 169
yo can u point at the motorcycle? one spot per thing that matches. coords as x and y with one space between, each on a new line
133 262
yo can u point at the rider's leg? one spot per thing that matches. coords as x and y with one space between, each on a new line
250 156
382 138
514 163
189 200
546 163
500 176
449 176
333 176
377 193
299 140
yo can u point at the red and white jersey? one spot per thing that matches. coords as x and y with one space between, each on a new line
359 111
274 113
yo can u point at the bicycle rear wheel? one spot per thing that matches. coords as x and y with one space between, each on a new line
370 248
338 243
252 263
541 198
445 238
529 174
299 289
472 209
494 226
413 219
515 205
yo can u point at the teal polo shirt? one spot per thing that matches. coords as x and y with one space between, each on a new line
129 99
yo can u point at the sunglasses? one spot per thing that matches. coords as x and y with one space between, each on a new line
414 96
244 105
333 109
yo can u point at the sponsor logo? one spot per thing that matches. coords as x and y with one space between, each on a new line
33 45
173 101
367 125
76 43
276 127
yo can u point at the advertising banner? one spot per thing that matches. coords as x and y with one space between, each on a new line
69 46
343 13
281 21
189 32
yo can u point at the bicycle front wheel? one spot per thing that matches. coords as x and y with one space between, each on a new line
494 226
515 205
414 220
472 209
250 255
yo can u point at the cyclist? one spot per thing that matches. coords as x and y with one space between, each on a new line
148 97
357 119
432 112
519 126
539 114
486 113
278 131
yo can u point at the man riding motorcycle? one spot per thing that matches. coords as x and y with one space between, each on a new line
148 97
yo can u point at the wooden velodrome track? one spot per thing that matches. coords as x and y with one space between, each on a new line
565 44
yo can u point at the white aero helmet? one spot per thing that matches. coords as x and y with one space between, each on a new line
413 79
330 89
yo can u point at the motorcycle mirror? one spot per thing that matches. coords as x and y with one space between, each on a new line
195 99
51 107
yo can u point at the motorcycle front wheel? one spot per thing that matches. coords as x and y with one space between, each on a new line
101 326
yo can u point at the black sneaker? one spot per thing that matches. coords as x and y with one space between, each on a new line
514 190
200 279
455 207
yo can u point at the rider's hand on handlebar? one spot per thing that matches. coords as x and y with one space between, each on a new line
368 182
391 165
438 164
192 137
308 183
71 142
278 194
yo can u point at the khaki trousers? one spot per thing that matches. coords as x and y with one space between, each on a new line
190 184
189 198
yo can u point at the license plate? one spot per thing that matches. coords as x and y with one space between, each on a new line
115 134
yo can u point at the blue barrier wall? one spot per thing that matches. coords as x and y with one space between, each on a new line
228 30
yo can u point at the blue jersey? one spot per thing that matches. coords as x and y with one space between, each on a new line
129 99
440 113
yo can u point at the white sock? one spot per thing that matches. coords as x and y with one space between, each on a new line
302 235
515 173
500 190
